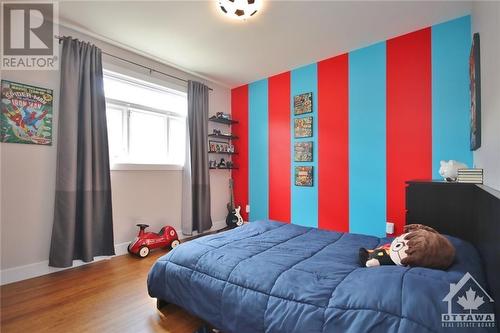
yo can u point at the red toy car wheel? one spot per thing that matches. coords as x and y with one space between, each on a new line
143 252
175 243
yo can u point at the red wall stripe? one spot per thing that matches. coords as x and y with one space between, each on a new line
409 118
333 139
279 147
239 112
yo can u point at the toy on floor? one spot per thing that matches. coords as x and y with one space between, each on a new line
418 246
147 241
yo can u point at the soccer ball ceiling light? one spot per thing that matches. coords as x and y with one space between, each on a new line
240 9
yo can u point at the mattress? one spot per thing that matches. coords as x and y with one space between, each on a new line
273 277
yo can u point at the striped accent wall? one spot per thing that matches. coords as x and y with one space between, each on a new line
409 116
451 42
382 115
304 200
333 133
239 110
279 154
367 140
258 150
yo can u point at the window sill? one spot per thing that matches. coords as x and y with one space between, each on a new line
145 167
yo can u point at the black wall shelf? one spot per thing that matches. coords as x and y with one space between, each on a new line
227 138
222 120
232 168
222 152
222 136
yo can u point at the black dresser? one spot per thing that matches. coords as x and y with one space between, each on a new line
442 205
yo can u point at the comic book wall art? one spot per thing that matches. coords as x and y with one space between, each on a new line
302 103
303 151
26 114
303 127
304 176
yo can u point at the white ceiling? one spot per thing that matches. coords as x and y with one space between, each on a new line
286 34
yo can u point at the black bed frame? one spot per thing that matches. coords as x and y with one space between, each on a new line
467 211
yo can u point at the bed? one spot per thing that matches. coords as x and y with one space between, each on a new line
268 276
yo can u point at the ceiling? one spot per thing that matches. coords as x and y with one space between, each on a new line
286 34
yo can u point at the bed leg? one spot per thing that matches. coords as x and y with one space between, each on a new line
160 303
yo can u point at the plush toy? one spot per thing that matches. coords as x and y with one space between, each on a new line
449 170
376 257
387 254
399 246
418 246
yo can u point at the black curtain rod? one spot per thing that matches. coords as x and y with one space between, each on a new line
137 64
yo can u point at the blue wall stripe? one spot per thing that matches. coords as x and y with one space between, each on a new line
304 203
258 150
450 92
367 140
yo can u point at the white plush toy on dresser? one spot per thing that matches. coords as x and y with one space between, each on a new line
449 170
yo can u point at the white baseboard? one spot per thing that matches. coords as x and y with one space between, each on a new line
217 225
29 271
121 249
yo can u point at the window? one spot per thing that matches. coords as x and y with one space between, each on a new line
146 122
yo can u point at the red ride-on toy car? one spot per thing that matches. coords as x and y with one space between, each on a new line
146 241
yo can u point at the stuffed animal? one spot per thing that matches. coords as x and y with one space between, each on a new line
387 254
376 257
399 246
449 170
427 248
420 245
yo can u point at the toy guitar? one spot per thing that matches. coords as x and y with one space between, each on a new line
233 218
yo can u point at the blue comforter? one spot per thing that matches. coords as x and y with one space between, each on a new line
274 277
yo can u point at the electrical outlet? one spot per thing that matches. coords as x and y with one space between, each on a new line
247 208
389 228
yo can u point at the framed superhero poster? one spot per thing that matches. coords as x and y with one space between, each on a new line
26 114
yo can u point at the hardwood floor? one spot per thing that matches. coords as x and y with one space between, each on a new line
106 296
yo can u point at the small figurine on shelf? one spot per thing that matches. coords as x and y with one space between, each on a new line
229 164
223 115
212 164
216 131
222 164
230 149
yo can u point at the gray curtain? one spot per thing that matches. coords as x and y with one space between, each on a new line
83 222
187 189
196 178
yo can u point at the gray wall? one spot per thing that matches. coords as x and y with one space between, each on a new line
486 21
28 177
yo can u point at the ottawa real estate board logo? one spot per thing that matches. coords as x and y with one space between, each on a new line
27 31
469 305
